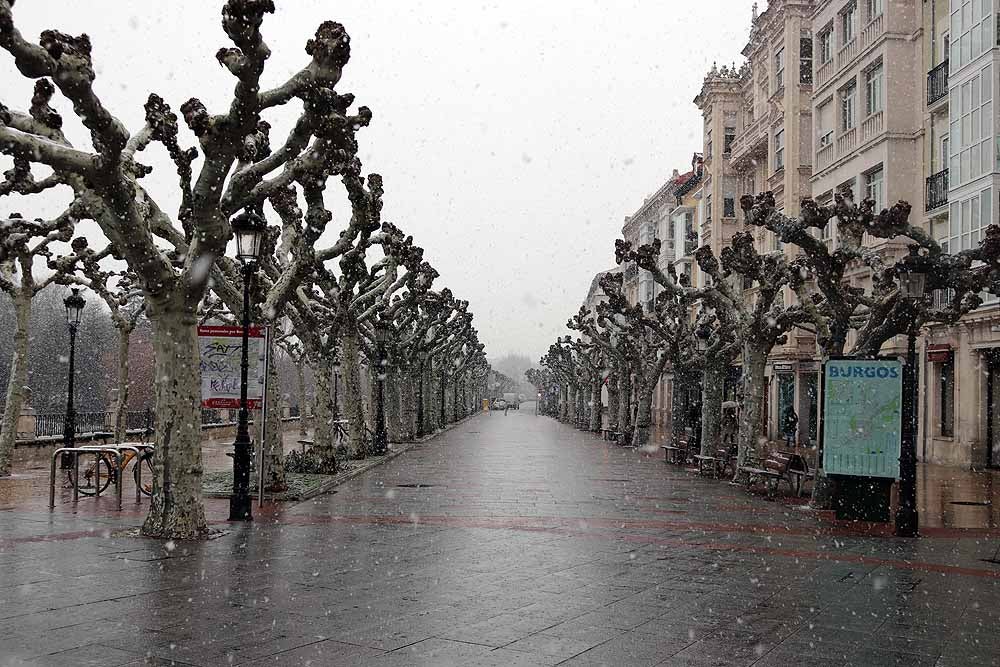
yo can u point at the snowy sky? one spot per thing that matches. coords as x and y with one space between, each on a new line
513 137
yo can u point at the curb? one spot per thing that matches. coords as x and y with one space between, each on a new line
337 480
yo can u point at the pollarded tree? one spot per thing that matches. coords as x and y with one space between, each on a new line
836 308
661 336
107 179
123 297
21 242
760 314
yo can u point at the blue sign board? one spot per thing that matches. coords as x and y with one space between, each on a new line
862 417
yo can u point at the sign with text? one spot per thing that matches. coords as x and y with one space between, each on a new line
221 353
862 417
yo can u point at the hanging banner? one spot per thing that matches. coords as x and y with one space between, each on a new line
221 350
862 417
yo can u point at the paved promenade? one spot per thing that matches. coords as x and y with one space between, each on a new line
508 540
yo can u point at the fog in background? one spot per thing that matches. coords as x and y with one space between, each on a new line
513 137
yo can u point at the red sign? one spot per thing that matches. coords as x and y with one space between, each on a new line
221 350
939 352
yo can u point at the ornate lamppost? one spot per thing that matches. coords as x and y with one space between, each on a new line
249 229
381 443
911 288
74 310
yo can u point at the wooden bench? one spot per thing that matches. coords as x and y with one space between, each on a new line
611 434
777 467
305 443
677 452
709 462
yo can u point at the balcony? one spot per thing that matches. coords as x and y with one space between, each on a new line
872 126
937 83
847 53
847 141
825 72
824 156
937 190
872 31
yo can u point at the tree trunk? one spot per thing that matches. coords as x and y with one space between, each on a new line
643 414
409 405
274 454
355 413
324 443
300 377
595 406
176 510
678 407
625 403
121 410
571 412
711 406
16 381
754 362
393 416
613 399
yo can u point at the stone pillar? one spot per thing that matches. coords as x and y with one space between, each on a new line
27 420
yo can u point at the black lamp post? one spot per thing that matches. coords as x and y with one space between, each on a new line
336 385
381 339
911 288
74 310
249 229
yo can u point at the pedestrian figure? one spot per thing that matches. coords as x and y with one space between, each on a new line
789 425
506 407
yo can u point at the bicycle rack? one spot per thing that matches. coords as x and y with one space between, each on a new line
137 449
76 451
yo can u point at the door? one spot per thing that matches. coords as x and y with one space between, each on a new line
993 413
808 408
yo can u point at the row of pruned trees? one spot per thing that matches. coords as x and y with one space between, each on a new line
846 295
364 299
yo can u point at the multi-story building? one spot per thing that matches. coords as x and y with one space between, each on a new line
764 109
827 101
961 364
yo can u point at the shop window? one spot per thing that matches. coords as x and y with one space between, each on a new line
786 399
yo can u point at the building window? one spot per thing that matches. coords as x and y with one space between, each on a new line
847 23
779 150
971 132
873 90
873 9
729 207
826 46
728 139
751 188
824 123
848 106
874 189
972 31
708 144
967 219
779 69
806 61
708 208
946 391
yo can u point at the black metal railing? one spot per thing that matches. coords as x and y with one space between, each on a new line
937 83
937 190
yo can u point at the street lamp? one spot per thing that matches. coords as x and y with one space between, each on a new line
911 289
74 310
249 229
381 339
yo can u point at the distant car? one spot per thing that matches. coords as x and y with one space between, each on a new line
499 404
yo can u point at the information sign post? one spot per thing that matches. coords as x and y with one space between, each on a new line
862 428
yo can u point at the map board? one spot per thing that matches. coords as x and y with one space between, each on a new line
221 351
862 417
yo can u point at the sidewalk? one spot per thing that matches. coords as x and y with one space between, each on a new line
947 497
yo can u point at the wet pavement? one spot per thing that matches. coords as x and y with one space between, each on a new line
508 540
